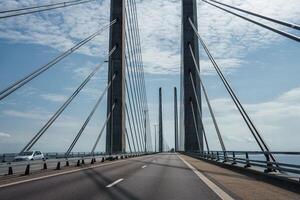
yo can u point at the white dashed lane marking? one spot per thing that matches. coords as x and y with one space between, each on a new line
115 183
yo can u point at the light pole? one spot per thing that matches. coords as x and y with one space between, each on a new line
145 111
155 125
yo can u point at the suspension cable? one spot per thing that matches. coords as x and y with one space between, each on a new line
280 32
134 116
102 129
140 62
139 66
129 121
61 109
135 77
135 132
134 46
130 127
135 103
287 24
18 84
199 110
126 134
196 127
241 109
41 8
207 101
89 117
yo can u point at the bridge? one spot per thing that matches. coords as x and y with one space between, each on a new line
135 163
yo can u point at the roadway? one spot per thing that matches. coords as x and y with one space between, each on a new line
160 176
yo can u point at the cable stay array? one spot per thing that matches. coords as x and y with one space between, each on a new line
260 141
280 22
137 107
18 84
199 112
207 100
41 8
135 88
60 110
89 117
275 30
102 129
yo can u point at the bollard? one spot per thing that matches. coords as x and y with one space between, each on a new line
122 157
78 163
234 160
92 161
27 170
247 161
269 165
82 161
44 166
67 163
58 166
225 157
10 170
117 157
102 159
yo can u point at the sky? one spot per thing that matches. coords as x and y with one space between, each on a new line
261 66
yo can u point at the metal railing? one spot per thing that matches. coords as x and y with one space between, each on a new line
57 161
288 163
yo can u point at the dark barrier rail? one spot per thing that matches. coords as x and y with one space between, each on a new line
287 165
9 157
56 161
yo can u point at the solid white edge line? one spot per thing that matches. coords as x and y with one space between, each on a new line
115 183
223 195
61 173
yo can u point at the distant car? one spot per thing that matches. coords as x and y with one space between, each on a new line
29 155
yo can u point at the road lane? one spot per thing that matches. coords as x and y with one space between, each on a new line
165 177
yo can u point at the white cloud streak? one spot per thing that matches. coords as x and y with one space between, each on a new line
54 97
4 135
277 121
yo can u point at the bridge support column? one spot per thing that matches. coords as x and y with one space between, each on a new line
160 124
189 10
175 119
115 130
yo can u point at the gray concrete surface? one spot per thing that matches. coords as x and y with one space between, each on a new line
161 176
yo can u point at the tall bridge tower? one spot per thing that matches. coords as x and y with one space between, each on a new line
190 40
115 131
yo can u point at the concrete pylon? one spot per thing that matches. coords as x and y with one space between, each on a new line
189 38
115 130
175 119
160 124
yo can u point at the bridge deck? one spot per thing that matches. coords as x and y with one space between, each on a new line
161 176
239 185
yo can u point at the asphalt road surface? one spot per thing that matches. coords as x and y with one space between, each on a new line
160 176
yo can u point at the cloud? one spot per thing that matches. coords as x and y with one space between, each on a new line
277 120
4 135
54 97
26 114
227 36
60 28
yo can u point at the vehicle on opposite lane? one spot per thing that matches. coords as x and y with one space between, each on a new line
29 155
